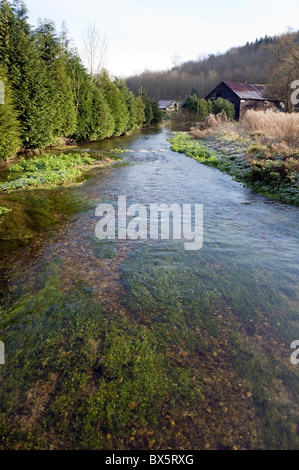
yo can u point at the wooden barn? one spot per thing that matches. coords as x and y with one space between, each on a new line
245 96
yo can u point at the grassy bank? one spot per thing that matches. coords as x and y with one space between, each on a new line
49 170
266 160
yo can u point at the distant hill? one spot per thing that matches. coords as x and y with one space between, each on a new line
239 64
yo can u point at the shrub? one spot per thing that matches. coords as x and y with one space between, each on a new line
224 106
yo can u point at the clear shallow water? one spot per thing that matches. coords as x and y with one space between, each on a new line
224 316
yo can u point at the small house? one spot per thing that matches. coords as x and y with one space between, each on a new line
168 105
245 96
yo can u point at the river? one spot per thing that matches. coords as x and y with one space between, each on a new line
127 344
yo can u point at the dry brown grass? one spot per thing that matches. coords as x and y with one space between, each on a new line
280 128
208 126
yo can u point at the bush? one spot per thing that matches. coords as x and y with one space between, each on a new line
203 108
224 106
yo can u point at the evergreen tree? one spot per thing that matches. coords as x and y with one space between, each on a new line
54 56
103 124
130 104
9 127
27 76
116 103
153 114
82 91
148 110
220 105
94 117
157 112
191 103
140 106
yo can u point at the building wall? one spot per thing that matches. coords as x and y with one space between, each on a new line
223 91
241 106
258 105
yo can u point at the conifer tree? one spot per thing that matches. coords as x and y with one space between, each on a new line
82 90
103 120
59 83
9 126
148 111
130 104
140 106
27 76
116 103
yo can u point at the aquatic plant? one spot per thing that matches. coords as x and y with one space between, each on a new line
3 210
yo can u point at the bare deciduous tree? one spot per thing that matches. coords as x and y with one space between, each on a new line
94 52
284 66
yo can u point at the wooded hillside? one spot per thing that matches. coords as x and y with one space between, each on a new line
247 63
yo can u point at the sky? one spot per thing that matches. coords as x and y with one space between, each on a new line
158 34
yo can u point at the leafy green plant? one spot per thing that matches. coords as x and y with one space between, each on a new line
47 169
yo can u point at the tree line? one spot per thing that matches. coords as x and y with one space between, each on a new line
50 94
252 62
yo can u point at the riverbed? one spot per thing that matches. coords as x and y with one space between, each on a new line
141 344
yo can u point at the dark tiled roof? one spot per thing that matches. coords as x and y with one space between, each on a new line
245 91
165 103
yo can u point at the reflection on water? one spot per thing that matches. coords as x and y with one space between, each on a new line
180 349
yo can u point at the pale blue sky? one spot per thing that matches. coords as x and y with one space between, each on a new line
148 34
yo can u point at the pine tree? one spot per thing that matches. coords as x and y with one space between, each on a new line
116 103
54 57
140 106
157 113
103 120
148 110
9 127
27 76
130 104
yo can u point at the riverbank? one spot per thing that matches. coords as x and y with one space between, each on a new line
273 172
50 169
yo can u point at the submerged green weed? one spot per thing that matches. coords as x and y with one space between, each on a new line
262 376
3 210
75 375
103 248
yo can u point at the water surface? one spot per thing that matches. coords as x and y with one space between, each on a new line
141 344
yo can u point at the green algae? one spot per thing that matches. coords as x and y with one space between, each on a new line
180 295
3 210
103 248
263 376
34 213
75 375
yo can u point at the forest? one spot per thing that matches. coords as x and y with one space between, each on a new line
49 94
251 62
